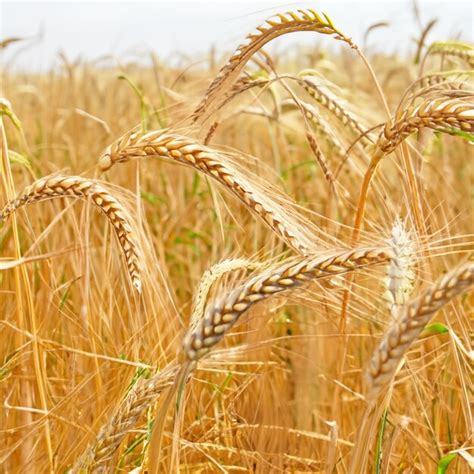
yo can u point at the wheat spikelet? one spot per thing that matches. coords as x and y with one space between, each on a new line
137 400
411 321
214 164
400 275
283 23
457 49
438 114
224 313
74 186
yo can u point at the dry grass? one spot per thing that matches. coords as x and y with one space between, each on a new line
361 199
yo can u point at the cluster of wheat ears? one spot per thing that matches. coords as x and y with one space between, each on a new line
383 250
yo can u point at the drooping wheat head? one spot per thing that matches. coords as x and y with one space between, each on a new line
216 165
77 187
283 23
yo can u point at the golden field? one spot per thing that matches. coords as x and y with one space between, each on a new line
262 264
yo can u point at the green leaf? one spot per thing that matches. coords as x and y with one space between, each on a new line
435 328
444 462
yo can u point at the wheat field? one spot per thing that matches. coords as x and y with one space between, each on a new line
262 264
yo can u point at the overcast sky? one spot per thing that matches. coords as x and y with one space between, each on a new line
130 29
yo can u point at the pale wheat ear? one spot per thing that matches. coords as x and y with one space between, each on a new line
410 323
81 188
400 272
280 24
219 167
222 314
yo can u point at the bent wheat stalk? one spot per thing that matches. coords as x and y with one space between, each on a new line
216 165
281 24
74 186
224 313
410 323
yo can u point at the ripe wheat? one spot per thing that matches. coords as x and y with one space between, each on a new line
224 313
189 152
74 186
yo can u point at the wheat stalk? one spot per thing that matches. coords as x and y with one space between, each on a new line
411 321
74 186
138 399
216 165
225 312
283 23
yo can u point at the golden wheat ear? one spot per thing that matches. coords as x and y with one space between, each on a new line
218 166
222 315
409 324
50 187
281 24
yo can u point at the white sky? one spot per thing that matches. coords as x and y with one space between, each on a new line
129 30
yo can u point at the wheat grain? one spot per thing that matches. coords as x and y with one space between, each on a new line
74 186
224 313
411 321
214 164
209 277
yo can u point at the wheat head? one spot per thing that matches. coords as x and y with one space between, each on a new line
75 186
225 312
281 24
214 164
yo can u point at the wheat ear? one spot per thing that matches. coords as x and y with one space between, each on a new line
443 114
74 186
457 49
319 123
214 164
400 275
331 103
138 399
438 114
225 312
412 319
281 24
